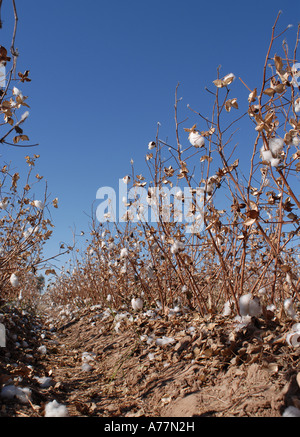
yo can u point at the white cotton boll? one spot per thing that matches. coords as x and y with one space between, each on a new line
124 253
297 105
88 356
296 327
12 392
227 308
229 77
86 367
276 145
266 154
25 115
244 304
249 305
2 75
177 247
296 141
42 350
262 291
196 139
4 204
137 303
291 412
151 356
164 341
126 179
54 409
14 280
24 395
17 92
275 162
38 204
242 322
151 145
254 307
184 289
191 330
44 381
179 195
289 308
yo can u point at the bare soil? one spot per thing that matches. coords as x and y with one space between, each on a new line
209 369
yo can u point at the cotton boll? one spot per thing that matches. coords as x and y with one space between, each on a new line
38 204
297 105
44 381
291 412
9 391
42 350
196 139
4 204
276 145
244 304
14 280
249 305
12 392
254 307
227 308
16 91
54 409
296 141
296 327
242 322
262 291
275 162
151 145
24 115
86 367
184 289
137 303
164 341
289 308
124 253
266 154
88 356
177 247
126 179
229 78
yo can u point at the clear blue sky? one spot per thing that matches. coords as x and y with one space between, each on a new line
104 73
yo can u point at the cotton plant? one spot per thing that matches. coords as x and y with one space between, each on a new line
272 155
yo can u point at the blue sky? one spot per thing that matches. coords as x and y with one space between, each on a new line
104 73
